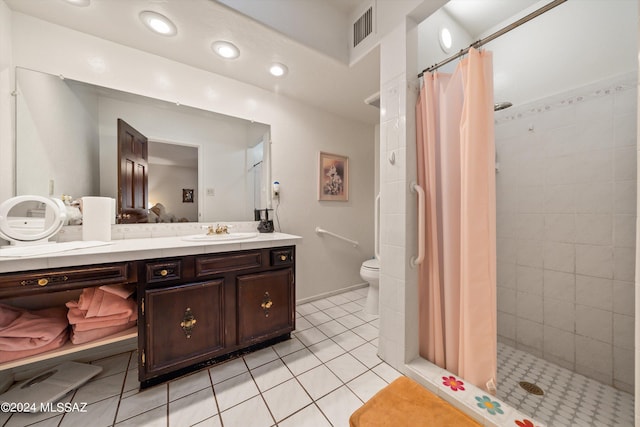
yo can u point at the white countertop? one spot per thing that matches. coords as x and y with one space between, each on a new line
143 248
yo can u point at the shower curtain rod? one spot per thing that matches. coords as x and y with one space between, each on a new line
495 35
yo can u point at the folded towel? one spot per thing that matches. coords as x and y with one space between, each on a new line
123 291
81 323
24 330
80 337
98 303
57 342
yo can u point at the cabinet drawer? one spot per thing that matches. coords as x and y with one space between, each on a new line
265 305
163 271
30 282
183 325
214 264
282 256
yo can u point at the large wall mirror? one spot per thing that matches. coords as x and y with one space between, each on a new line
161 161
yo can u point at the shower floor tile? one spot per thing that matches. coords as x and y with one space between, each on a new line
569 399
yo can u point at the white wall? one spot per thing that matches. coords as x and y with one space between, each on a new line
7 78
53 157
298 133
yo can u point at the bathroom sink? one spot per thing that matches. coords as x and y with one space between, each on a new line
219 237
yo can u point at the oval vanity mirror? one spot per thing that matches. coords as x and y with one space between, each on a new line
31 219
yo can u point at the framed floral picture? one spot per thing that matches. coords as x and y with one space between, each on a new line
333 177
187 195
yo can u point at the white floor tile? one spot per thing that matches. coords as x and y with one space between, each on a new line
367 354
366 385
308 417
131 383
286 399
366 316
366 331
113 365
301 361
192 408
260 357
252 413
351 307
317 318
270 375
287 347
336 312
235 390
350 321
322 304
302 324
307 308
99 414
339 405
142 401
227 370
189 384
210 422
346 367
332 328
386 372
326 350
338 299
100 389
49 422
319 381
310 336
348 340
154 418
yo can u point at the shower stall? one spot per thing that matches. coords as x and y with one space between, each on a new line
566 185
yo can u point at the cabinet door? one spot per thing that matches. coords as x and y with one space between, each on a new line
265 304
183 325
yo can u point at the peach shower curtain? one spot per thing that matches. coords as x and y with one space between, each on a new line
456 168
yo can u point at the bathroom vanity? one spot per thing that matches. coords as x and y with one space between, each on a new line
198 302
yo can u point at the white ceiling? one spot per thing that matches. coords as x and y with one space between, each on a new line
313 77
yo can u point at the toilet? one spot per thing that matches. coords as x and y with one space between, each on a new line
370 272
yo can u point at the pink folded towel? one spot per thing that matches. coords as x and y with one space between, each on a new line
98 303
123 291
57 342
80 337
22 330
81 323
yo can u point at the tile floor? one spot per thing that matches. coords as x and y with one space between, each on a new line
318 378
570 399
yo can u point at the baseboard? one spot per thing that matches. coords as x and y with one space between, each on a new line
332 293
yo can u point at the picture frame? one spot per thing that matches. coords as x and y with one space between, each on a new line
333 177
187 195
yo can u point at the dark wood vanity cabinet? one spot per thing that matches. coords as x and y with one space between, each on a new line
196 309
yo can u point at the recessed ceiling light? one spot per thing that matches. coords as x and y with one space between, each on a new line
158 23
446 39
277 69
80 3
225 49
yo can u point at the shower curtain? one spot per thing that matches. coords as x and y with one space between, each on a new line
456 168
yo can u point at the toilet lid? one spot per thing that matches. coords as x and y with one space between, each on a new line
371 264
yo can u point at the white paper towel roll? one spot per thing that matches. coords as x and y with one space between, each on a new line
96 218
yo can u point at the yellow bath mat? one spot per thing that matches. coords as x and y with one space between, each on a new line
404 402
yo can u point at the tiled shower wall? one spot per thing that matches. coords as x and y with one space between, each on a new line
566 208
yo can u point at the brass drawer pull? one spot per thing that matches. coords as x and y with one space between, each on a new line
188 322
44 281
266 304
163 273
283 257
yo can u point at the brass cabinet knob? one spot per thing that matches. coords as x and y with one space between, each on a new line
283 257
43 282
163 273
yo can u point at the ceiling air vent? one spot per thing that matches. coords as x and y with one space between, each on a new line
363 27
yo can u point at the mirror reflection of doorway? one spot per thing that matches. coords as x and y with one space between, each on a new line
133 170
173 168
